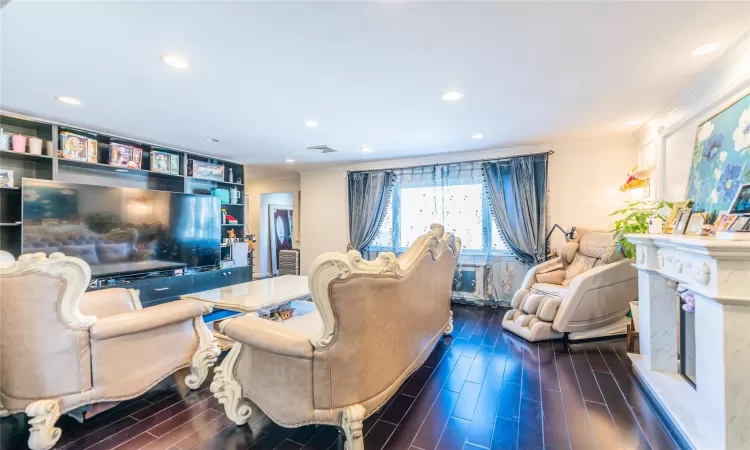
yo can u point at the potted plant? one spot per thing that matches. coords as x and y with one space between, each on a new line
635 220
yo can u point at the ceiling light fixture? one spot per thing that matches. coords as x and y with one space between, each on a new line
68 100
452 96
633 122
706 49
311 123
365 150
175 61
289 160
212 140
477 136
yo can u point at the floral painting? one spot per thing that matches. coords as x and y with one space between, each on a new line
720 158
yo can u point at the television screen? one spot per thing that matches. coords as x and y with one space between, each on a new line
119 231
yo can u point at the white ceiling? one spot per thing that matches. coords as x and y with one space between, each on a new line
371 73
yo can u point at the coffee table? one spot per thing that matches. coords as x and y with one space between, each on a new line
253 298
256 295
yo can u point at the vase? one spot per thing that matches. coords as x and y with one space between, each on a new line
4 141
636 315
35 146
49 148
19 143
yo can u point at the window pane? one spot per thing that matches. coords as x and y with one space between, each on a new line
384 238
498 244
458 208
463 214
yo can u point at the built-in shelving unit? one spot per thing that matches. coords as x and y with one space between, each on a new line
53 167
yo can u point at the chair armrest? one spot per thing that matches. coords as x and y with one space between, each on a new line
530 277
108 302
146 319
605 283
268 335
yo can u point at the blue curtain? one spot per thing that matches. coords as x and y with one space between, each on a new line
517 192
368 200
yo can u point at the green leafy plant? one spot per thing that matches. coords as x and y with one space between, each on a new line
635 221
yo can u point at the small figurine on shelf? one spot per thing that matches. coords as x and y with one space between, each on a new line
231 235
223 215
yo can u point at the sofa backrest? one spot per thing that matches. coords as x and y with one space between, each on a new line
388 315
44 343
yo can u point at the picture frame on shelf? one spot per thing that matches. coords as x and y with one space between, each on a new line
6 178
76 147
741 202
740 223
683 217
695 224
163 162
121 155
676 209
724 221
205 171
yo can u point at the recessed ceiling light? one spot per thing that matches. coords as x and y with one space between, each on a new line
365 149
68 100
477 136
706 49
213 140
175 61
452 96
311 123
289 160
633 122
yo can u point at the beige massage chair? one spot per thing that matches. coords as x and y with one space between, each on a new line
586 292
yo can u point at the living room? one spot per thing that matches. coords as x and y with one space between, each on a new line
381 225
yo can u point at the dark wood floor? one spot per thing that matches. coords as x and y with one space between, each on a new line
482 388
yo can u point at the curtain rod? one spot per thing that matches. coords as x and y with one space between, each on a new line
548 152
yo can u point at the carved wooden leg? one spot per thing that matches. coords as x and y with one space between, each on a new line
449 328
42 417
351 422
205 357
228 390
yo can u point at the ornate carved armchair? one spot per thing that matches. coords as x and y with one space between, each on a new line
376 323
61 349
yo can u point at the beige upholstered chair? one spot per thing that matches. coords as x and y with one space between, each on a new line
61 349
586 291
376 323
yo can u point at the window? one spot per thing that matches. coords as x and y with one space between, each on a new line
462 208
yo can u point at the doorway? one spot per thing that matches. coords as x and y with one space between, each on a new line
276 230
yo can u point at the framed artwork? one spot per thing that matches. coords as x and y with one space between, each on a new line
740 223
720 158
724 221
6 178
695 224
682 221
676 208
741 203
280 231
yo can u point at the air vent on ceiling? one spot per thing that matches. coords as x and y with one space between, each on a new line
322 149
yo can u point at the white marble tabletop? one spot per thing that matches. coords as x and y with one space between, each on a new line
255 295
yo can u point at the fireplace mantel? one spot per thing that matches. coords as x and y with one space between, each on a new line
716 413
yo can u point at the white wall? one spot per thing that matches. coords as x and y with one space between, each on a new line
584 180
263 255
667 141
253 190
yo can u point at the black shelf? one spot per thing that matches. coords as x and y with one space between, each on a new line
22 156
8 188
232 224
117 169
232 204
204 180
10 224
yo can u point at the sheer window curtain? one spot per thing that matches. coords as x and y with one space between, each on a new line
368 200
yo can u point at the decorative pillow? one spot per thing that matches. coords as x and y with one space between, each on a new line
85 252
568 252
579 265
553 277
109 253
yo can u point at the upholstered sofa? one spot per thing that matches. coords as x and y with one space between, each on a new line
61 349
586 292
376 323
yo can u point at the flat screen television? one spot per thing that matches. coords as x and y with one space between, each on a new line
120 231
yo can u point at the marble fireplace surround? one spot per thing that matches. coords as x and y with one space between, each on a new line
716 414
